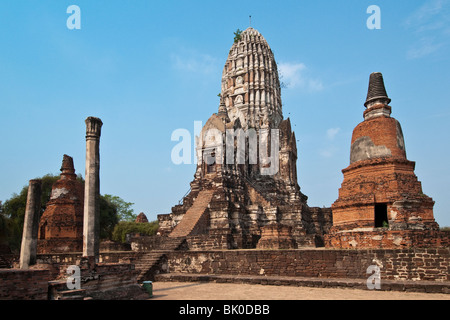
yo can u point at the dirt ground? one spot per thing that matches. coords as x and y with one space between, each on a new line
229 291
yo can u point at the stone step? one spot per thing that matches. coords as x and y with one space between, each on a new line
77 294
193 214
146 262
58 291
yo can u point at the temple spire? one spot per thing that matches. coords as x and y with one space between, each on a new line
67 167
377 101
250 83
376 92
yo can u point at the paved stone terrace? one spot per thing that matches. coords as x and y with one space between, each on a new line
190 291
386 285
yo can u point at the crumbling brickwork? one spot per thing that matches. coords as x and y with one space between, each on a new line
276 237
16 284
61 225
381 203
141 218
247 194
399 264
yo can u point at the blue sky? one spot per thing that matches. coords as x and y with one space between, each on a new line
147 68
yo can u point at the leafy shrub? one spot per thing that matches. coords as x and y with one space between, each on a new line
124 227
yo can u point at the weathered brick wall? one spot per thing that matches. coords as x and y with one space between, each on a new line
74 258
388 239
276 236
16 284
208 242
383 131
406 264
146 243
116 279
108 246
112 282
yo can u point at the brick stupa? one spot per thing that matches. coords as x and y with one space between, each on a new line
61 224
381 203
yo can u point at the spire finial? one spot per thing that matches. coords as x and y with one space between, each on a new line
250 22
67 167
376 91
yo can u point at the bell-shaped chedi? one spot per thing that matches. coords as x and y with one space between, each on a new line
381 203
61 224
246 175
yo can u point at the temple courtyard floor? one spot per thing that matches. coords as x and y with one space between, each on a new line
232 291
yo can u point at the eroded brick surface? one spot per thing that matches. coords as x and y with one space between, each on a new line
61 225
247 196
381 203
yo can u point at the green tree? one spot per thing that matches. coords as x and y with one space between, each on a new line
237 35
108 218
14 208
12 212
124 210
125 227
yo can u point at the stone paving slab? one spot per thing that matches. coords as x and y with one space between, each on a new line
286 297
386 285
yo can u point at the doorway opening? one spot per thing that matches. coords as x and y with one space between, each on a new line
381 219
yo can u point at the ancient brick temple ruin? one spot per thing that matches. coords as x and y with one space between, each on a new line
61 224
239 191
141 218
381 203
244 195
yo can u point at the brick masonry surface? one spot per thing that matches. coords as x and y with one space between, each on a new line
396 264
18 284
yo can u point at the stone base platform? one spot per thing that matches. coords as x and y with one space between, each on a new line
386 285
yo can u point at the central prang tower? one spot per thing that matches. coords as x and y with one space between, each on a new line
245 192
250 85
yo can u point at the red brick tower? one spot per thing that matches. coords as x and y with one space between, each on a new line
61 224
141 218
381 203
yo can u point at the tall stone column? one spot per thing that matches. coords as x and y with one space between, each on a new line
28 248
91 226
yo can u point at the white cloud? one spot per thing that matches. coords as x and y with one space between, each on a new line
294 76
430 25
192 61
332 132
422 48
330 149
426 12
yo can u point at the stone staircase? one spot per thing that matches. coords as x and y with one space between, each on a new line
193 215
57 290
149 264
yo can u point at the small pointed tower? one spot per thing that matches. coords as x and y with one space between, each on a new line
61 224
141 218
381 203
